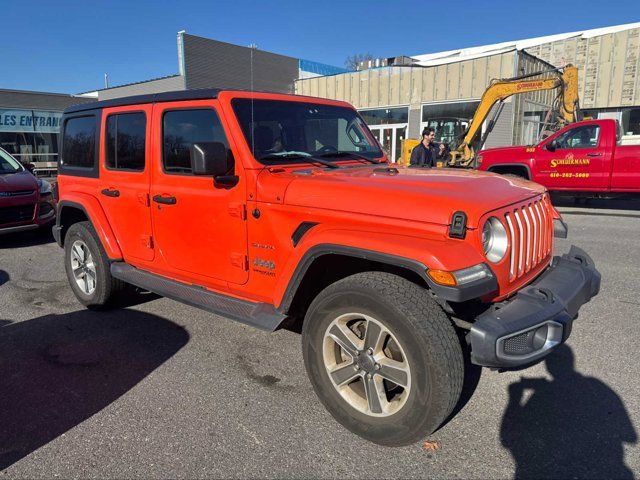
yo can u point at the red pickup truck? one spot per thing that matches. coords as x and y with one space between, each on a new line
589 156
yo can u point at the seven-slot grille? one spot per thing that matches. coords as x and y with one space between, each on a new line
530 229
20 213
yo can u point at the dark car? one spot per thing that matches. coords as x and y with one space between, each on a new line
26 202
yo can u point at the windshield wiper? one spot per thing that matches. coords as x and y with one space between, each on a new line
298 156
341 153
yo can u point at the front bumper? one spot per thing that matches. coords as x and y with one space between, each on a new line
539 317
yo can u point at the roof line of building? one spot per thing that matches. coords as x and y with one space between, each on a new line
491 49
129 84
31 92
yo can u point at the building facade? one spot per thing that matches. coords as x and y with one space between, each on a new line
208 63
399 100
29 125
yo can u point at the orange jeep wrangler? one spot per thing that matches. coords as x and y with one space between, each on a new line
265 208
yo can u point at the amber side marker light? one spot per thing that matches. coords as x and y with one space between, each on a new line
460 277
442 278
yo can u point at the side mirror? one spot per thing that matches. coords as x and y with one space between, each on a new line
210 158
30 167
551 146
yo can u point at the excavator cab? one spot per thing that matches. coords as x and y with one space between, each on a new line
449 130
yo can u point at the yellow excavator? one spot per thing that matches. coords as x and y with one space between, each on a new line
564 109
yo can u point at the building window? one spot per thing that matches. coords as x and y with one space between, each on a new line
461 110
385 116
30 135
181 129
126 141
79 142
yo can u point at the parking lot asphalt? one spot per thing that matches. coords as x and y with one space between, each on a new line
163 390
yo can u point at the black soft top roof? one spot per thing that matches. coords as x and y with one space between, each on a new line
198 94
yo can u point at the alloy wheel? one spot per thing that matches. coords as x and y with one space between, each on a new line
83 267
366 364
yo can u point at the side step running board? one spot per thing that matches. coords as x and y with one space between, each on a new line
260 315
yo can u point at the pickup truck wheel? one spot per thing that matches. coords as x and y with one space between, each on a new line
383 357
87 267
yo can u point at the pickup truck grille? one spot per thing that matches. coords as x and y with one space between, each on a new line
20 213
530 230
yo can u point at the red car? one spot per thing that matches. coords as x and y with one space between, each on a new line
26 202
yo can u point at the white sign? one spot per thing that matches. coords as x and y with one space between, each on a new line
29 121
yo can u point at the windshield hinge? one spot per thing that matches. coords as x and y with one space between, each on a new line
238 210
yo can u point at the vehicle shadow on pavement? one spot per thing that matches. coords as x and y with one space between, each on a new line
4 277
56 371
573 426
29 238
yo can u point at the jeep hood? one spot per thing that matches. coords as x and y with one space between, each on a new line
424 195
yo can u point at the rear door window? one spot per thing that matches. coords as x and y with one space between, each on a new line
125 141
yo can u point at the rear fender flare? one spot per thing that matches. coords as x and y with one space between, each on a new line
94 212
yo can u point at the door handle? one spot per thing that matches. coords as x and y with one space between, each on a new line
594 154
165 200
110 193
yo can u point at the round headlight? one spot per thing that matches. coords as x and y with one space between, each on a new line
494 240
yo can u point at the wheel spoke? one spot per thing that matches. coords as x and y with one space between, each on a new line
343 374
345 338
373 336
77 272
90 265
394 371
77 253
374 391
86 283
91 282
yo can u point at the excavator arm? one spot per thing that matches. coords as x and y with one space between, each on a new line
566 80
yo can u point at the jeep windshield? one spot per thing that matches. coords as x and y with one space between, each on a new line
279 132
8 164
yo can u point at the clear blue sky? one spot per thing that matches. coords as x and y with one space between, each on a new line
67 46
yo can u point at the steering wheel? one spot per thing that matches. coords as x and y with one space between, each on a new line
328 149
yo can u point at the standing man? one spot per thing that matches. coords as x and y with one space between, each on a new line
425 153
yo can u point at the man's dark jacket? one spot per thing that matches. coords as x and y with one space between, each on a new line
422 156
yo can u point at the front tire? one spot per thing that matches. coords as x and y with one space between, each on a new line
88 267
383 357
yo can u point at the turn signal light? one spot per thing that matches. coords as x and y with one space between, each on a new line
442 278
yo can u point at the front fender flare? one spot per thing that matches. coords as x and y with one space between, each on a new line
329 249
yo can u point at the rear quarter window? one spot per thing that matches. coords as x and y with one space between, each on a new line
79 142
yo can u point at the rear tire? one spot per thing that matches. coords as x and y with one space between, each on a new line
412 342
88 267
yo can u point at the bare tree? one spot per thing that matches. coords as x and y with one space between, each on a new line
352 61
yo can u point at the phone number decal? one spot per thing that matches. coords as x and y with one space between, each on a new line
569 175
